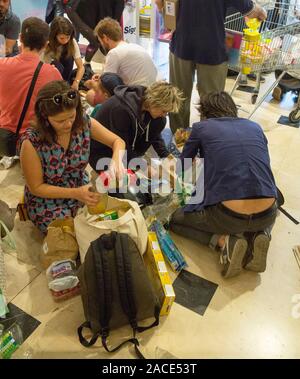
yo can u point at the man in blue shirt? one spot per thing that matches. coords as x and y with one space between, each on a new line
10 27
198 44
239 206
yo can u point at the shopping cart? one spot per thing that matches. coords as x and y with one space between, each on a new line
275 45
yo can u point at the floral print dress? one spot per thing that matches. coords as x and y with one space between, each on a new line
62 168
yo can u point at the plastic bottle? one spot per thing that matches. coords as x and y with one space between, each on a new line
99 184
10 340
251 47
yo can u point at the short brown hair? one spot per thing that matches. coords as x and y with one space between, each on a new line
109 27
34 33
45 107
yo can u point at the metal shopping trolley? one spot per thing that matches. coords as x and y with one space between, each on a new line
265 47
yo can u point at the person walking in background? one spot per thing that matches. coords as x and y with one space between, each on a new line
198 44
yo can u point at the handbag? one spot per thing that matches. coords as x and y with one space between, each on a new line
8 139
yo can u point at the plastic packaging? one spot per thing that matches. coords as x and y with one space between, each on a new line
168 247
10 340
62 279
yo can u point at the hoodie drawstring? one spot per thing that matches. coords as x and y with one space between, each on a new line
137 125
136 133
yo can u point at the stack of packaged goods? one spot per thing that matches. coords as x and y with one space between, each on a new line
10 340
168 247
62 279
159 275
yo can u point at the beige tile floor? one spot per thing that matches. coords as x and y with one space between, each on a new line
249 316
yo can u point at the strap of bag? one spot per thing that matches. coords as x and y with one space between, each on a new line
127 298
28 97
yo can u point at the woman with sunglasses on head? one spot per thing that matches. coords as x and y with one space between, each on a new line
55 152
63 50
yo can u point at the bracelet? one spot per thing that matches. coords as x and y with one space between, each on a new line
76 80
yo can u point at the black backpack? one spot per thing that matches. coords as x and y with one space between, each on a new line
115 290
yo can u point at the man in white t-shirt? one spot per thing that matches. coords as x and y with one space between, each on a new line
129 60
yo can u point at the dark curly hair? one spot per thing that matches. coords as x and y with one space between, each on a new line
45 107
217 104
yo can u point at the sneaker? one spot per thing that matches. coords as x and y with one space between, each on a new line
257 259
277 93
254 77
232 256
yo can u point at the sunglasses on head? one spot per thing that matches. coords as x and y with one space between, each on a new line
60 97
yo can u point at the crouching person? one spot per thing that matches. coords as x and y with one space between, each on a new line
55 152
138 115
239 206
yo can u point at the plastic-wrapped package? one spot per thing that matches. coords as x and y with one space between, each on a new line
62 279
10 340
168 247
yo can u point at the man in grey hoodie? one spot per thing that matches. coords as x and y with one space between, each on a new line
138 115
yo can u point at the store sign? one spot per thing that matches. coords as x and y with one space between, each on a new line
129 21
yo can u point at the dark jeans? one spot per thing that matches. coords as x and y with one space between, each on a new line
208 225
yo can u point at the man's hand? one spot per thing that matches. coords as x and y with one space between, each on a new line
258 12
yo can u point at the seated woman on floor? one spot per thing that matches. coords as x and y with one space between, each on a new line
55 152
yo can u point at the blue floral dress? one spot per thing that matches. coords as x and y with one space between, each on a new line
62 168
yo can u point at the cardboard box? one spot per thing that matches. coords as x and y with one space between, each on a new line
159 275
170 13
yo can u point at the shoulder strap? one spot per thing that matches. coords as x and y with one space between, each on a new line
104 292
28 97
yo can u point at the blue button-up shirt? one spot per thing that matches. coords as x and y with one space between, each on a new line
236 161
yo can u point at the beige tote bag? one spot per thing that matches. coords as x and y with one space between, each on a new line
131 221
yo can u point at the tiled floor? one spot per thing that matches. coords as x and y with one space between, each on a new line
248 316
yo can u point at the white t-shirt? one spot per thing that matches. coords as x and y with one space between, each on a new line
47 58
132 63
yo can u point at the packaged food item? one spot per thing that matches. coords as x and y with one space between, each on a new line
62 279
159 275
168 247
60 242
109 215
10 340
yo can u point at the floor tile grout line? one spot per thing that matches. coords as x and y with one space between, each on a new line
25 287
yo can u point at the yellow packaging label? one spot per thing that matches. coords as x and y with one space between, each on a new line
159 275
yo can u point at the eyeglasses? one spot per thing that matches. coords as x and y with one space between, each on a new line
60 97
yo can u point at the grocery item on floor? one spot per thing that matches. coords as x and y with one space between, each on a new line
116 290
168 247
159 275
130 220
60 242
181 136
62 279
10 340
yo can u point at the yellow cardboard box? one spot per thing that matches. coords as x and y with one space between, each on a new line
159 275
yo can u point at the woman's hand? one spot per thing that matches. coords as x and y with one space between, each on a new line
117 170
85 195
